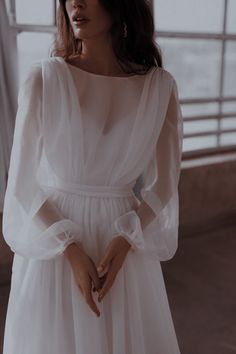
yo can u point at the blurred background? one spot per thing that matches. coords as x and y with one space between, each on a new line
198 43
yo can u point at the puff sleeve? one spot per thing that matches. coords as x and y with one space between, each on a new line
32 225
153 227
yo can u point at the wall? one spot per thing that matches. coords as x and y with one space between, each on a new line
207 194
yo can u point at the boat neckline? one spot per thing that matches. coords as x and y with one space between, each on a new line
109 76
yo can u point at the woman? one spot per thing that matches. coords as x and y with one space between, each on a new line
92 120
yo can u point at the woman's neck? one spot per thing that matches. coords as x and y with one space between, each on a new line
98 56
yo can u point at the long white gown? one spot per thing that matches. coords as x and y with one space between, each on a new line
81 140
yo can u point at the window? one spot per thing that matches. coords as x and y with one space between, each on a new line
34 24
198 43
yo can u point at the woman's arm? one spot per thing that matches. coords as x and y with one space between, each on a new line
33 226
153 227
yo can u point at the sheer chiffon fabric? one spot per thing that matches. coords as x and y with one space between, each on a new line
81 140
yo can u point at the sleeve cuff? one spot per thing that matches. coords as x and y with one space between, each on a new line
128 225
68 238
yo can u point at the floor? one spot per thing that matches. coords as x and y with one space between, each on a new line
201 286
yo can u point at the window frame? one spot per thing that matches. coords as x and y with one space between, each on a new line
220 99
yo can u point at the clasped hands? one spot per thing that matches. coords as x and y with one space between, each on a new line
87 274
111 262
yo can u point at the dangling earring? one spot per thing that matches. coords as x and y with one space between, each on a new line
125 35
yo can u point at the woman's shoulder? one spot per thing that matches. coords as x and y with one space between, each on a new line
33 77
166 74
36 72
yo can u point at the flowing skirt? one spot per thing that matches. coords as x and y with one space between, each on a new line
47 314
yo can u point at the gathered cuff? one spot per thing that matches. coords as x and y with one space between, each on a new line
128 225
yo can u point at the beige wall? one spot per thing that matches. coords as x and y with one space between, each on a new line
207 194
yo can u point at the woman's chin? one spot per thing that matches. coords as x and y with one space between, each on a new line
80 34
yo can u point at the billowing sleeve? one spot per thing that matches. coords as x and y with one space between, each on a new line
32 225
153 227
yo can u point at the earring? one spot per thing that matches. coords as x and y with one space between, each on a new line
125 35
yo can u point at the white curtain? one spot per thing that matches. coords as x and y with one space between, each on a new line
8 95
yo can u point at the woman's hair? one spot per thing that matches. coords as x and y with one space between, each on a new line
139 47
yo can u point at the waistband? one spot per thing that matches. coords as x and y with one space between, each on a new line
92 190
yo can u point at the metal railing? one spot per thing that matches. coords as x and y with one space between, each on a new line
220 99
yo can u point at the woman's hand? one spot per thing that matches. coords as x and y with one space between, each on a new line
85 272
112 261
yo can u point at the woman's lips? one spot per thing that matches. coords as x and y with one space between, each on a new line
80 20
80 23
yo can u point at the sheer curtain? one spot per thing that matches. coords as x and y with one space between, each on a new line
8 95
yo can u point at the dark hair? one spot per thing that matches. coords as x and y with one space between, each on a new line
139 47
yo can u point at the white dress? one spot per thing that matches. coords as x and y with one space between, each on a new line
81 141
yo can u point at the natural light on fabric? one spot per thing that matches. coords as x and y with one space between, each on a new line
33 226
153 228
29 231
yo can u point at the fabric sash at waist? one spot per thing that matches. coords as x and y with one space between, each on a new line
92 190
